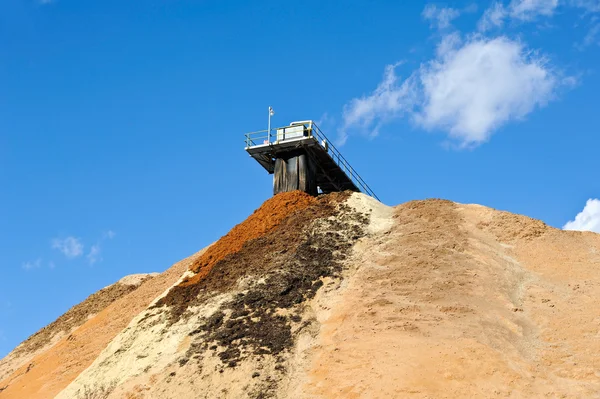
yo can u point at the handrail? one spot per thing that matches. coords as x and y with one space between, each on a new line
255 138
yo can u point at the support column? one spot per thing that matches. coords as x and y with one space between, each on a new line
295 170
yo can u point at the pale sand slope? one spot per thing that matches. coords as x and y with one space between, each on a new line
465 301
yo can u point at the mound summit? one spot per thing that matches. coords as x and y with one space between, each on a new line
338 296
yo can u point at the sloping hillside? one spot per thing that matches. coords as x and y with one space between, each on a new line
341 296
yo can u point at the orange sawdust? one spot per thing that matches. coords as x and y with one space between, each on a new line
262 221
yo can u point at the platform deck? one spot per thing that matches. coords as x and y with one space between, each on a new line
330 176
333 172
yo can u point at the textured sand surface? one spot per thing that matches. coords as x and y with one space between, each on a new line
465 301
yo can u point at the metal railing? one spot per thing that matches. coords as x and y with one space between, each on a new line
265 137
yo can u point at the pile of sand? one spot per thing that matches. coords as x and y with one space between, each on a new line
464 301
342 296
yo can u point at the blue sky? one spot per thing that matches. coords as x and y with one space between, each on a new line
121 123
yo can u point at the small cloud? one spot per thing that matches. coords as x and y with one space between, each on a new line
588 219
471 8
32 265
326 122
493 17
324 119
71 247
528 10
591 6
591 38
520 10
440 17
94 255
391 99
51 265
109 235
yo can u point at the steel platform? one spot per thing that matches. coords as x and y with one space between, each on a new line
334 173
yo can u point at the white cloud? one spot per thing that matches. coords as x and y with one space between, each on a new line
588 5
493 17
71 247
472 90
32 265
521 10
471 8
94 255
389 100
591 8
591 38
469 90
440 17
527 10
588 219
